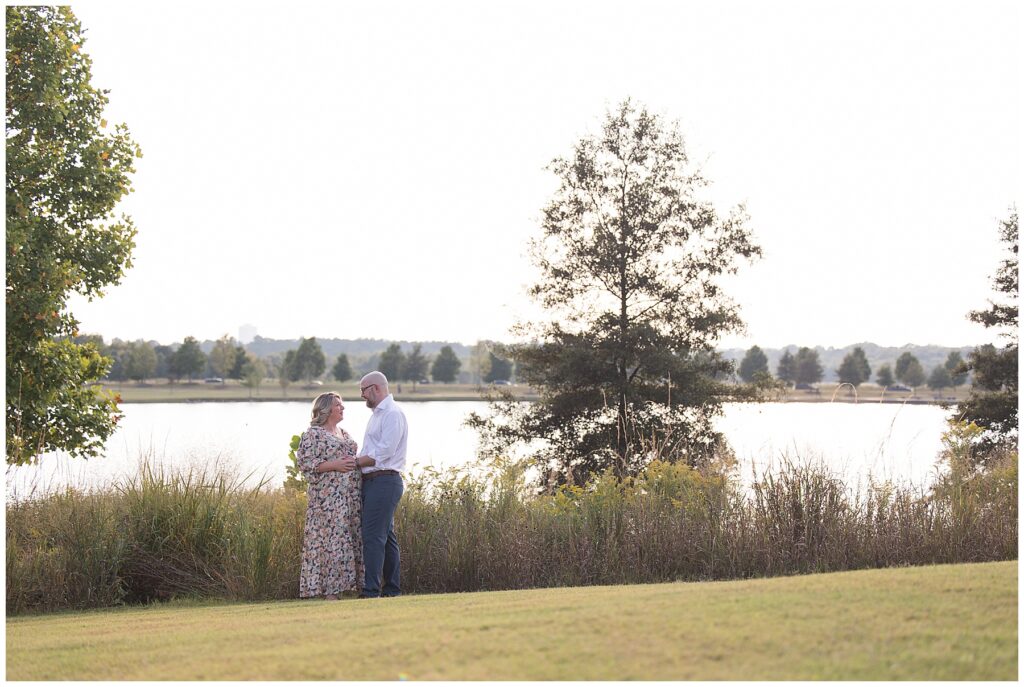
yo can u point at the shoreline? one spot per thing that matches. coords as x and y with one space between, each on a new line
234 393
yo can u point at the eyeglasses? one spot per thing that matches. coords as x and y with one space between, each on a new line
363 389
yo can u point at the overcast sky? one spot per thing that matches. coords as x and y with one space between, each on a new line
290 149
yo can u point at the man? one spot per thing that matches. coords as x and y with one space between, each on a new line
384 443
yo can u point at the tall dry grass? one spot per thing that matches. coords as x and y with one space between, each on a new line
200 533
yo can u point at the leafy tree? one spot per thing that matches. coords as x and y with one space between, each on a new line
253 372
855 369
498 368
392 362
117 352
957 368
416 366
940 378
630 258
222 357
141 362
480 360
808 366
909 370
884 376
342 371
163 360
992 403
753 362
308 362
241 356
65 175
786 370
446 366
914 374
284 371
189 360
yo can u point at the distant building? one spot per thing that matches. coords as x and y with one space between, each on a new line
246 333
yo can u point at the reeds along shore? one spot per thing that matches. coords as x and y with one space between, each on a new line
200 534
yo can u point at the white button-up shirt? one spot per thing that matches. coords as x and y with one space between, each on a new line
385 437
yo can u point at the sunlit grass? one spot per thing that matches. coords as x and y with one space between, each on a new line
956 622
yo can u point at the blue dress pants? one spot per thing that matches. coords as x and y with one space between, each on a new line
380 546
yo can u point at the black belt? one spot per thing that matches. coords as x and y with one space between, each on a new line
378 473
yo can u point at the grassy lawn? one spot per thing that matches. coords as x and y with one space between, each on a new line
954 622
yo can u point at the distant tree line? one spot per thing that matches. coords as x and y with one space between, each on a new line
805 368
140 361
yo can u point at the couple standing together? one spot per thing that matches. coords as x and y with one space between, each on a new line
349 542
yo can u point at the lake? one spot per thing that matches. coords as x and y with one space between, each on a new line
888 441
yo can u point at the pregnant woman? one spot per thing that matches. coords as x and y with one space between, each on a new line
332 548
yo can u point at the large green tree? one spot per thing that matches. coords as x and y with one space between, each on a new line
909 369
498 369
189 360
222 357
342 370
786 370
955 365
807 366
884 376
392 363
141 363
992 403
308 362
416 365
854 369
753 362
66 171
630 259
446 366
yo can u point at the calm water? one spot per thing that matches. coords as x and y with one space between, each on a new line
887 441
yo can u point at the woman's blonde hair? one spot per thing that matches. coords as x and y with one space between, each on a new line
322 407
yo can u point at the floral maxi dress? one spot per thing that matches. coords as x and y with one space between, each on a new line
332 547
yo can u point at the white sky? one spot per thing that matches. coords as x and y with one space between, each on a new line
876 145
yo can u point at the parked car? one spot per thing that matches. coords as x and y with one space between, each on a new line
804 387
501 382
214 380
898 387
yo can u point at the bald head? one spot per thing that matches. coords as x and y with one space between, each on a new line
374 388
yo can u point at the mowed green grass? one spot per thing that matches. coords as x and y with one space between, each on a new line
952 622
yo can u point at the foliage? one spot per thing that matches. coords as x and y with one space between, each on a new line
295 479
416 365
223 356
630 259
202 534
392 362
189 360
854 368
939 378
955 366
498 368
993 401
308 362
884 376
753 362
342 370
65 175
909 370
241 357
141 363
253 371
446 366
786 370
807 366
